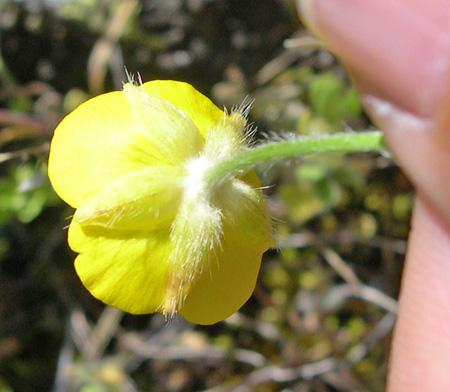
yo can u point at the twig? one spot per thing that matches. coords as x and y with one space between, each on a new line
354 286
358 352
341 267
24 153
9 117
276 66
305 239
338 294
106 51
295 49
284 375
304 42
80 329
101 334
133 343
65 361
263 329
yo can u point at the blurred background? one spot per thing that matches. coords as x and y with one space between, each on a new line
322 313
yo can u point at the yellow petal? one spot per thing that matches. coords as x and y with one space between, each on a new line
227 284
123 269
141 200
171 132
182 95
227 136
91 148
244 208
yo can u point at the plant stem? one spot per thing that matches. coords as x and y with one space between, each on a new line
294 148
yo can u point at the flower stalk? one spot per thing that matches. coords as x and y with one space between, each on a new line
294 148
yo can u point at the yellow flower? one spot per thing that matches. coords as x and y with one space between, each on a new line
151 233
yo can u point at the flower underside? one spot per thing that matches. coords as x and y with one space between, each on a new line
152 234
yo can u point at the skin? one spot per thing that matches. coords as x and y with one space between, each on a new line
398 56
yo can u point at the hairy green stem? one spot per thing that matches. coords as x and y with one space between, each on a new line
294 148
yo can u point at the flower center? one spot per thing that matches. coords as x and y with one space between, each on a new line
194 183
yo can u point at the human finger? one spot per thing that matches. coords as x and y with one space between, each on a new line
398 56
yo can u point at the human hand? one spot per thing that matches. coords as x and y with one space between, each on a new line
398 56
